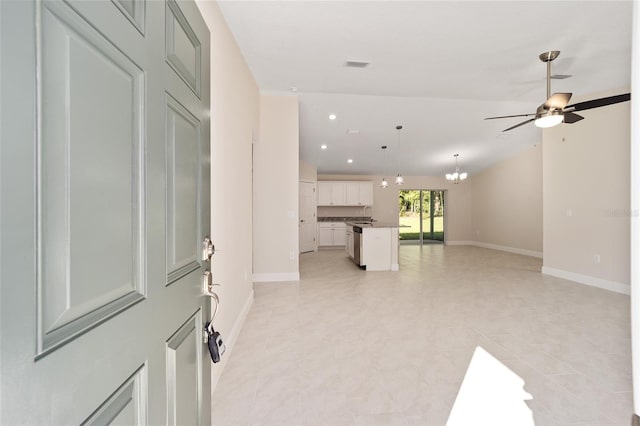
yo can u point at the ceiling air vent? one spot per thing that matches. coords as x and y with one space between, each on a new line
357 64
560 76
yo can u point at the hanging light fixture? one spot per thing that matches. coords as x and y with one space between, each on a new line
456 176
384 183
399 178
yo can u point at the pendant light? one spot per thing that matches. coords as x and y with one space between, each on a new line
456 176
399 178
384 184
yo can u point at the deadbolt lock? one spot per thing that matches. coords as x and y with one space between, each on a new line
208 249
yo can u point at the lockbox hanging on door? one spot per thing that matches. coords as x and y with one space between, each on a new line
214 340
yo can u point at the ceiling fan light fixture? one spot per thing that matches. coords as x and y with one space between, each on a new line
549 120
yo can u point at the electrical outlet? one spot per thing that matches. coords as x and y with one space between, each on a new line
292 255
596 258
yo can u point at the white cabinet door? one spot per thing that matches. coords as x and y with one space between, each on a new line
366 193
352 194
359 193
325 236
338 194
325 193
339 236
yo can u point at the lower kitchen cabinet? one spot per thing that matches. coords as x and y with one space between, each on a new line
331 234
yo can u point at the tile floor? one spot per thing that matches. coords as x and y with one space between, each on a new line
347 347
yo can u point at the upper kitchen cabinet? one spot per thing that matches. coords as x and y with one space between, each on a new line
331 193
354 193
359 194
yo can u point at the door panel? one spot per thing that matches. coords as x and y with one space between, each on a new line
133 10
126 406
96 212
89 178
184 376
183 187
307 212
183 47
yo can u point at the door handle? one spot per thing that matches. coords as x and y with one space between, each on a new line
207 283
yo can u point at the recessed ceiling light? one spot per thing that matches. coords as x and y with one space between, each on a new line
349 161
323 147
332 116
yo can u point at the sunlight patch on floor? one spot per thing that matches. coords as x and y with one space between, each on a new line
490 394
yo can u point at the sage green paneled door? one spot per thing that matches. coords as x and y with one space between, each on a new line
105 204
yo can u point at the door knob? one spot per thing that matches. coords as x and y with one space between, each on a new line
208 249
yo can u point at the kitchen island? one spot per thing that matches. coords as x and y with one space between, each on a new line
373 245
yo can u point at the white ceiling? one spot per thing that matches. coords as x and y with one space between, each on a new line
437 68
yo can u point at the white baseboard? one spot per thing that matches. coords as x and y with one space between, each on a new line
588 280
458 243
515 250
395 267
230 341
276 276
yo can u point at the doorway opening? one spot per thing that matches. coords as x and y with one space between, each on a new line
421 216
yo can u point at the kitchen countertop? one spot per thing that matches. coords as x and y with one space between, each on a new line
373 224
345 219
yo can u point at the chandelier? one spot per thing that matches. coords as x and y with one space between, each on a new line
456 176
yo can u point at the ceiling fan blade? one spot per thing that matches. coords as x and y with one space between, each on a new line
600 102
558 100
509 116
571 118
519 124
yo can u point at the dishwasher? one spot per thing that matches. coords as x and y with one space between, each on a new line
357 245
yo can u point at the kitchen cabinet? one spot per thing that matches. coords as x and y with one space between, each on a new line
354 193
374 247
359 193
331 193
331 234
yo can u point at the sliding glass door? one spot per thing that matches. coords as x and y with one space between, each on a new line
421 216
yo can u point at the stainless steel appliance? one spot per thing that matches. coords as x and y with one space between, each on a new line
357 245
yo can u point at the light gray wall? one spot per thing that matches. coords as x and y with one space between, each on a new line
275 190
234 106
587 197
506 203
